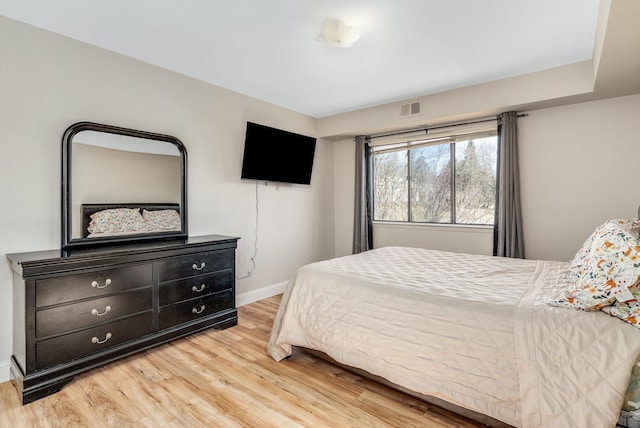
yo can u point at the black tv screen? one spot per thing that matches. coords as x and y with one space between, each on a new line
272 154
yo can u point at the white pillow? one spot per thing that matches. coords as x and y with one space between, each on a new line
161 220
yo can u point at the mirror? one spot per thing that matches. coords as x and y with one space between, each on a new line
121 185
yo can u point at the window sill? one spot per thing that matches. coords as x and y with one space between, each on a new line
466 228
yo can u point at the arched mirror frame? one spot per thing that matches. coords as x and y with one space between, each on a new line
68 241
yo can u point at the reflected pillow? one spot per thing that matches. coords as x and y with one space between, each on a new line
116 220
606 268
162 220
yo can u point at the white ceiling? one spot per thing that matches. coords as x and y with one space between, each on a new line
269 49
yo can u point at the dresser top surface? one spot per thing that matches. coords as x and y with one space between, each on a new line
120 250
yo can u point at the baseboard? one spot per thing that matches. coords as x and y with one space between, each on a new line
4 371
261 293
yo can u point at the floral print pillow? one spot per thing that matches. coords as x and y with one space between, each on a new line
116 220
578 260
162 220
628 311
609 270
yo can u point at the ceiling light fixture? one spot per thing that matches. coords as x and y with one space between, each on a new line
335 32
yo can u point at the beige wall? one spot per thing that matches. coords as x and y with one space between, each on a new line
557 85
48 82
578 168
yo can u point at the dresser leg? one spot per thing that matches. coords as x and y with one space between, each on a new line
31 390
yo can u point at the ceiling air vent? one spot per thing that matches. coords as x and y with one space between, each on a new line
411 109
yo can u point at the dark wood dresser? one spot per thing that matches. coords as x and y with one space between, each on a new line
76 310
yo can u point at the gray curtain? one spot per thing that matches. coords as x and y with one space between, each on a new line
362 221
507 232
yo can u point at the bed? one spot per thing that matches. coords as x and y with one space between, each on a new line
495 336
107 220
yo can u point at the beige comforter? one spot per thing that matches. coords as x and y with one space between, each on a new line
473 330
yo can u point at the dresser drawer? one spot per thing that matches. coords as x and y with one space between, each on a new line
52 291
171 316
195 264
82 314
198 286
51 352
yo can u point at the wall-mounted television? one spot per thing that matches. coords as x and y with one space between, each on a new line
272 154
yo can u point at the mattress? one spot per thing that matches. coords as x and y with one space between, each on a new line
473 330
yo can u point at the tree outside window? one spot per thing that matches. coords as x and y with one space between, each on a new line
452 182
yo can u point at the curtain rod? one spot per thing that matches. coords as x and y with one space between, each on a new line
426 129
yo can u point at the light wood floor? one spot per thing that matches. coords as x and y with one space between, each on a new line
219 379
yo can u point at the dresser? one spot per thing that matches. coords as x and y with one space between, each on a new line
76 310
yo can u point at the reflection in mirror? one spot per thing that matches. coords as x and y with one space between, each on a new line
110 168
105 165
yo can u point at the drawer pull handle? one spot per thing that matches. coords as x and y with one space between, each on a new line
98 341
99 314
198 290
196 267
106 284
196 311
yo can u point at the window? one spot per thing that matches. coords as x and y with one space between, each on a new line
449 177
